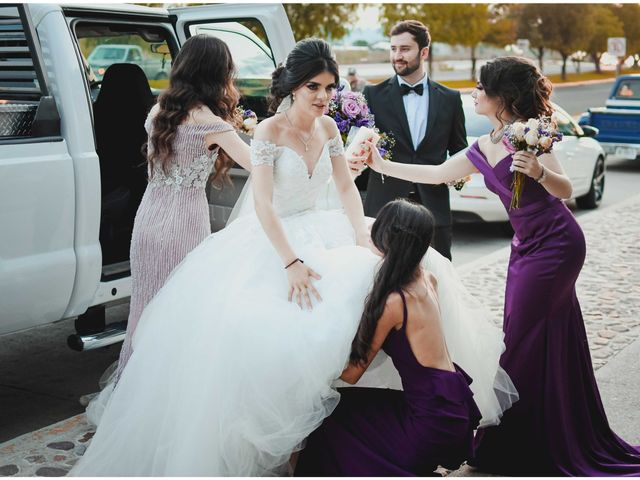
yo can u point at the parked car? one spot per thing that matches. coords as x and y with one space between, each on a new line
105 55
56 221
619 121
582 158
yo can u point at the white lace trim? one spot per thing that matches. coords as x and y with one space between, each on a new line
336 147
195 175
262 153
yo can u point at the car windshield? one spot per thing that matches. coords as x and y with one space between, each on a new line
108 53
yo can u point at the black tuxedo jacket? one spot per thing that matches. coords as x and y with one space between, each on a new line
445 133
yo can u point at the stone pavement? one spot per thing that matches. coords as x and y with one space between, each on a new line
609 292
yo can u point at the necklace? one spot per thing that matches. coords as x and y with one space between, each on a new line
304 141
496 136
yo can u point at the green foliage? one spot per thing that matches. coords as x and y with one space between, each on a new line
629 15
360 43
329 21
607 25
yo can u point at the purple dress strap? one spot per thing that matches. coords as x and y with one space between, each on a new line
405 314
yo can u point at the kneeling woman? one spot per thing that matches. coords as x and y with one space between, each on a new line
380 432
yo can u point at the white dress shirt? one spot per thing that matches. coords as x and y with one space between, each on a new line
417 108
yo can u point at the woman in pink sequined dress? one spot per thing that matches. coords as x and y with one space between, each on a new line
189 134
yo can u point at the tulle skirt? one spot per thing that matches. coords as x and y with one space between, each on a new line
228 378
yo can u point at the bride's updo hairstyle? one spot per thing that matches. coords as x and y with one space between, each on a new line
522 90
310 57
402 232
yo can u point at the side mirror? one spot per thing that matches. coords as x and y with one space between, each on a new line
590 131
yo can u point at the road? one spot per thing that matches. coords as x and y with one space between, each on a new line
41 379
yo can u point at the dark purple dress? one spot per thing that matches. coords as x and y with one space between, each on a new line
558 427
381 432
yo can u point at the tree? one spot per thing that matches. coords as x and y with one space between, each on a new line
529 22
329 21
566 29
607 25
629 15
472 23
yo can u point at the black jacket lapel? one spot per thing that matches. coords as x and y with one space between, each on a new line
434 106
397 107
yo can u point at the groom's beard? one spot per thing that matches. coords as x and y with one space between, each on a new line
405 69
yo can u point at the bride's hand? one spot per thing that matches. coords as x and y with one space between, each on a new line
374 159
300 284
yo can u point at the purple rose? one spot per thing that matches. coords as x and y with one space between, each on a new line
350 107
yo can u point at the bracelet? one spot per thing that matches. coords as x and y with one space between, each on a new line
296 260
543 175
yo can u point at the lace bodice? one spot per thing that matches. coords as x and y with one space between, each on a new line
192 162
294 190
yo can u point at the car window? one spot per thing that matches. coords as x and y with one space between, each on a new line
251 54
628 90
134 56
565 125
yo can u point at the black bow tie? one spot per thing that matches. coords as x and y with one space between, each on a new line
405 89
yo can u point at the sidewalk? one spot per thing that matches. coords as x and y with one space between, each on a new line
609 292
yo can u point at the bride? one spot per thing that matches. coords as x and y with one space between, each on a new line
236 357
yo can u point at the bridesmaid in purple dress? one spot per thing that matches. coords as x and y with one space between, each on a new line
186 130
558 427
380 432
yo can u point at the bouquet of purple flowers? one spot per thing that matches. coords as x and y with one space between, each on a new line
350 111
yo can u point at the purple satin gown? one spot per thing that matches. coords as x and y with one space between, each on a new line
381 432
558 427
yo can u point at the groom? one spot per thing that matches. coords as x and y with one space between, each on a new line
427 121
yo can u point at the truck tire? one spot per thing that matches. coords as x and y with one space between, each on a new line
593 197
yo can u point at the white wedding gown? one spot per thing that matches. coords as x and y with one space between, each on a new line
228 378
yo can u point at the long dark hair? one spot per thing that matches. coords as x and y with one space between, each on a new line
517 82
402 232
310 57
202 74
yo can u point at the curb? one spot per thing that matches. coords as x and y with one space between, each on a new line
559 85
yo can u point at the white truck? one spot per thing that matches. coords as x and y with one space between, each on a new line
66 204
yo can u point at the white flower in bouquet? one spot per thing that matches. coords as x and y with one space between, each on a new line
545 142
531 137
518 130
533 124
250 123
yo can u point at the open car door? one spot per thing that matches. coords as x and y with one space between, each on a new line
37 189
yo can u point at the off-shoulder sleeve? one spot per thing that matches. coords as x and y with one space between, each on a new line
262 153
336 146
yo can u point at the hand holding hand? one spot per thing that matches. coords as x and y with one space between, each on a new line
300 285
527 163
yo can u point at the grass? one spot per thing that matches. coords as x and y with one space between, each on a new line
571 77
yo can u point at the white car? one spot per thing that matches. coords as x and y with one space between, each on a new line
582 158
